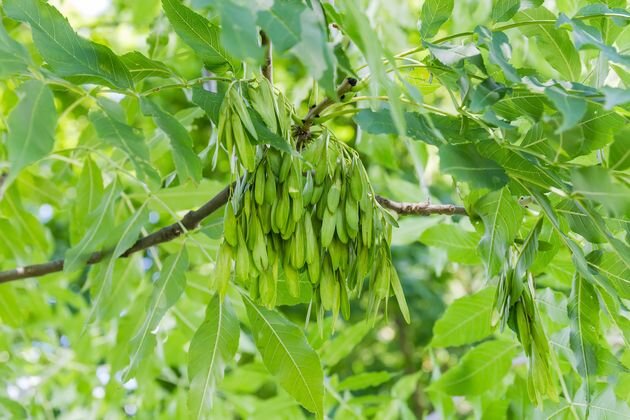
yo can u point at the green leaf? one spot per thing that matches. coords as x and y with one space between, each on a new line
67 53
288 356
142 67
615 96
585 36
13 56
465 321
596 183
571 107
239 34
503 10
554 44
112 128
461 245
100 221
281 22
89 195
214 344
210 102
335 349
364 380
166 292
501 215
579 222
619 156
451 54
200 34
479 370
31 126
431 129
187 162
499 50
433 15
528 252
464 162
584 316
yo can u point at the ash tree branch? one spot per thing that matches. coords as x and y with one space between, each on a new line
193 218
267 67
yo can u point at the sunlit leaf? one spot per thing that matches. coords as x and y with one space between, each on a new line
479 370
68 54
460 245
465 321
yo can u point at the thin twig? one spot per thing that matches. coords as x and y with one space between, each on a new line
420 209
189 222
267 67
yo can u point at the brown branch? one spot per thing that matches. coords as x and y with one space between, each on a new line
303 132
192 219
420 209
189 222
267 67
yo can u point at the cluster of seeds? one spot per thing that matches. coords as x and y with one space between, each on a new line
304 217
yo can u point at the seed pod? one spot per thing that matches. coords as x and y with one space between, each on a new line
259 186
352 217
298 254
321 170
328 228
264 215
270 186
240 110
327 286
314 272
229 225
263 102
312 245
294 183
259 253
345 303
297 208
289 229
242 260
334 195
336 303
318 190
282 212
275 159
285 167
292 279
356 185
523 327
243 146
367 221
223 268
340 223
268 290
307 191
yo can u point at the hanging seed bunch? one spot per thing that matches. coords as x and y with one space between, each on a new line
514 306
309 217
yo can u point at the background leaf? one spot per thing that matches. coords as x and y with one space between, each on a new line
31 126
